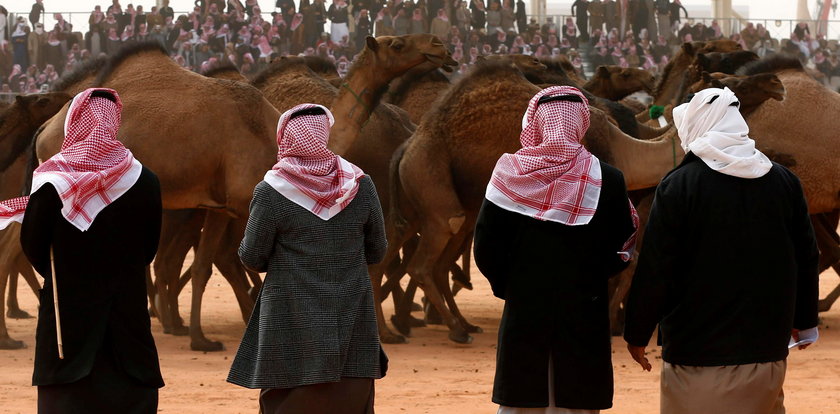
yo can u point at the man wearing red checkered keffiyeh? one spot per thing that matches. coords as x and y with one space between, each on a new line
91 227
556 223
307 173
92 169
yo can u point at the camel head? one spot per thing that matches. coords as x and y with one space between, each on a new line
625 81
22 118
392 56
726 62
752 90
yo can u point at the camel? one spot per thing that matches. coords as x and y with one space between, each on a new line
751 91
667 88
616 83
417 90
552 72
228 72
456 147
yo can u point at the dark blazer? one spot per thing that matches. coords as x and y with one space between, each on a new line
553 278
101 276
727 268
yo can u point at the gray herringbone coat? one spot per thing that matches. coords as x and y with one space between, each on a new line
314 321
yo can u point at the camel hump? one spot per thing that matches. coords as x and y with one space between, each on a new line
114 62
78 74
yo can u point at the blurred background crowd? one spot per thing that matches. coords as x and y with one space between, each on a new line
243 34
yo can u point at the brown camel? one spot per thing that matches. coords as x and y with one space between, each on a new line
751 91
668 87
456 147
417 90
228 72
615 83
554 74
215 161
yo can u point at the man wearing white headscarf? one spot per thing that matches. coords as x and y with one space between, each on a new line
728 269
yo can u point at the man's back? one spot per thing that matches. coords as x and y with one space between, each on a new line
731 263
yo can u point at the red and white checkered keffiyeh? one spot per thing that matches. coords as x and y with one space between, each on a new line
307 173
92 169
553 177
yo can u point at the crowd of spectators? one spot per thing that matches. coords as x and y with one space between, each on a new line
219 32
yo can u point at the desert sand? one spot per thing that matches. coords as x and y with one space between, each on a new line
428 375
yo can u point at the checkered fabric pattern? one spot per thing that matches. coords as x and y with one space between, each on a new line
307 173
553 177
92 169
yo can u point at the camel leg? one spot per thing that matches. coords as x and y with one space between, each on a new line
28 273
151 293
622 287
454 250
215 226
9 249
13 307
828 241
826 303
227 261
422 268
180 231
397 237
404 300
256 284
6 342
461 274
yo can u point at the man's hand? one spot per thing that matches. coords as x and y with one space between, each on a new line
795 334
638 354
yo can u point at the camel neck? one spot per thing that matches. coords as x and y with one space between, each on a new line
357 97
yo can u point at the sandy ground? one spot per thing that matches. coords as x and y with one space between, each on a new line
428 375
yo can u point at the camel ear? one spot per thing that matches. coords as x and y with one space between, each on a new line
707 78
602 72
480 58
20 100
371 43
688 48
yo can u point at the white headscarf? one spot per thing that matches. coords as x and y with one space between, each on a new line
715 131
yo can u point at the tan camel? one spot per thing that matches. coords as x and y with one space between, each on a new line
235 149
456 146
615 83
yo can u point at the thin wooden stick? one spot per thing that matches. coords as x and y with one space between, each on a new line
55 303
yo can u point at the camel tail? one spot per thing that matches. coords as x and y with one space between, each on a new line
32 163
395 212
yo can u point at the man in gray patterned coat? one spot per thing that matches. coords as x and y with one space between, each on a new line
315 224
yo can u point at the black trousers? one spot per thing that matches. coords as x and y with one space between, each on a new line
107 389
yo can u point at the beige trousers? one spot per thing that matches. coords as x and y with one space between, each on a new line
735 389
